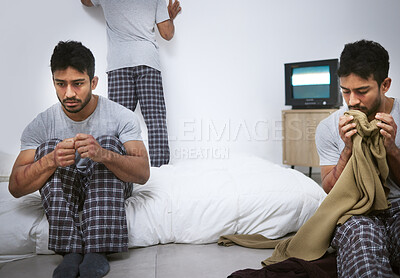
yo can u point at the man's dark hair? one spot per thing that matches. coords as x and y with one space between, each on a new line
364 58
72 54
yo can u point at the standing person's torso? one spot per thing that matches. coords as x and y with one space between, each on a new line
131 31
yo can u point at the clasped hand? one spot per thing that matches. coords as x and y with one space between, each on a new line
84 144
388 129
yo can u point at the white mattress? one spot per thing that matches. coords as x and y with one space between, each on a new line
189 202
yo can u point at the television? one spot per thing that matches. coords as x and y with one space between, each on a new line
312 84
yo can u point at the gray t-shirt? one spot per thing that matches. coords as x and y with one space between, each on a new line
131 31
330 145
109 118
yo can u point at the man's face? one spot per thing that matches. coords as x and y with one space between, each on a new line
362 94
74 89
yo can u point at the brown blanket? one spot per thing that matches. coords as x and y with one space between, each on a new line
256 241
359 190
324 267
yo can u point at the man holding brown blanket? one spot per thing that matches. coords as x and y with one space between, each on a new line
359 154
368 245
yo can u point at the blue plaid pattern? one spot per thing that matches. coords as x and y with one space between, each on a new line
369 246
127 86
97 193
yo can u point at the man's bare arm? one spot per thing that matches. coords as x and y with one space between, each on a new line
167 27
29 175
133 167
331 173
87 3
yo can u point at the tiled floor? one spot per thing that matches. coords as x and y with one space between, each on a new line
161 261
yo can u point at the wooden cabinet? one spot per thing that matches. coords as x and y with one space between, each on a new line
298 136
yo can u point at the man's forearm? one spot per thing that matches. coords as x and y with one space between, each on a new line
26 179
127 168
330 179
393 159
166 29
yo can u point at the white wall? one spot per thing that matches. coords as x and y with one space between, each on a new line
223 71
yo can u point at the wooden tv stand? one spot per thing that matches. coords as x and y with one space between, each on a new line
298 136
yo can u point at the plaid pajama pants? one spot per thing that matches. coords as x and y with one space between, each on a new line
369 246
95 192
127 86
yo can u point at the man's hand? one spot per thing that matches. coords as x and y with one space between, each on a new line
388 130
173 9
88 147
346 130
64 153
132 167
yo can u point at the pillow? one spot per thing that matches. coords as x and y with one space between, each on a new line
6 164
19 219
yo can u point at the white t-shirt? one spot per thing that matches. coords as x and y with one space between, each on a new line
330 145
109 118
131 31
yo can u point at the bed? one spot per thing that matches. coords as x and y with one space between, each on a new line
192 201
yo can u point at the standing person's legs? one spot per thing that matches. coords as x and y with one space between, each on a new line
121 87
128 85
148 84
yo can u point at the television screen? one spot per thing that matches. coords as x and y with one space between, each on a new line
312 84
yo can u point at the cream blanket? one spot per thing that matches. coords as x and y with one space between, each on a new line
360 189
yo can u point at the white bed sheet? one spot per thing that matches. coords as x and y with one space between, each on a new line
189 202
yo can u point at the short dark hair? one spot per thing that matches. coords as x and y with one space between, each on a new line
72 54
364 58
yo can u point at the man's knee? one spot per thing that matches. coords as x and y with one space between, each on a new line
111 143
46 148
358 229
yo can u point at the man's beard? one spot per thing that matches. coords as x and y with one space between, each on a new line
368 112
76 110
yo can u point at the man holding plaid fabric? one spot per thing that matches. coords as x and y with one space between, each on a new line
367 245
82 154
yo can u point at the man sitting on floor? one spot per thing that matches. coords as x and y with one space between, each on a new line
82 154
367 245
